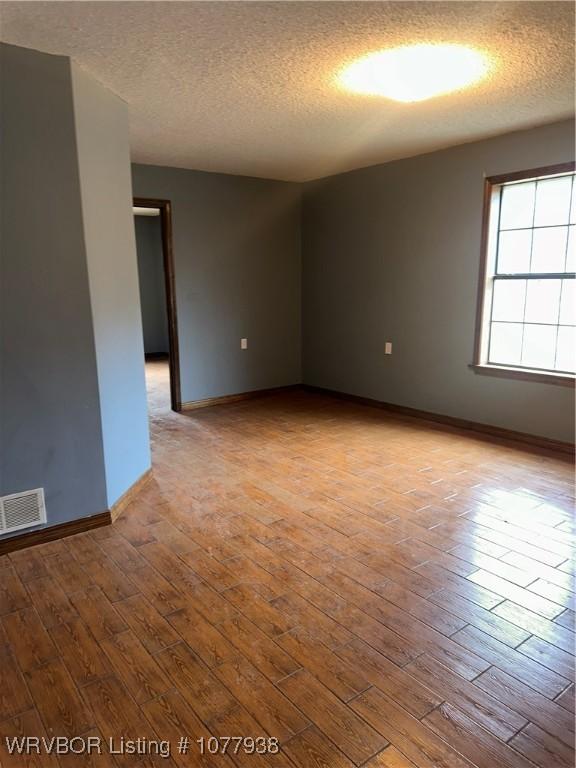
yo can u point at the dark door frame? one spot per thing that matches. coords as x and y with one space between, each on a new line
170 285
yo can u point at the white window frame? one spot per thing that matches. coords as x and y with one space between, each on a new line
492 193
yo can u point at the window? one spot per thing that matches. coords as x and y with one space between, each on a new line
527 320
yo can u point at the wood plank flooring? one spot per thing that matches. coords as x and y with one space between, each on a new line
370 590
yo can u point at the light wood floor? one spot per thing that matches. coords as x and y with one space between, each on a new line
369 590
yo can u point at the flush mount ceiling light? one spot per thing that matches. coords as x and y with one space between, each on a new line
415 72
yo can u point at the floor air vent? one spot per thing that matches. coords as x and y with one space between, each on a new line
22 510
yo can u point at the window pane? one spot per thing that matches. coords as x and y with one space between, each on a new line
549 249
542 301
539 346
568 303
552 201
532 321
566 350
514 251
517 207
505 343
571 256
508 300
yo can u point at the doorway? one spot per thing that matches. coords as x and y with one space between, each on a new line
153 225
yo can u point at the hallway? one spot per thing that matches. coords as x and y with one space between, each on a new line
158 387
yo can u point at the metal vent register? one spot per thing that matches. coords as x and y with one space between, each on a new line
22 510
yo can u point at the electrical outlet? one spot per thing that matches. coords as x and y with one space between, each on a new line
388 348
243 343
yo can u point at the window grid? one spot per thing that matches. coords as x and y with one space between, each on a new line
532 276
565 267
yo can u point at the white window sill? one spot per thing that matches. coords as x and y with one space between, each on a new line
525 374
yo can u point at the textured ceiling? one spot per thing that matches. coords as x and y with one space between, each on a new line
249 87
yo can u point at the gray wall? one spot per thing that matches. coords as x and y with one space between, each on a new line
104 164
72 397
49 403
391 253
152 289
238 274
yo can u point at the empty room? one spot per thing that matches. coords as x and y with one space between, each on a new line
287 366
